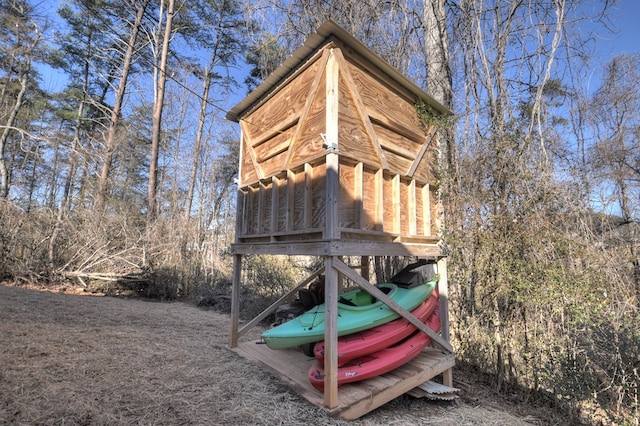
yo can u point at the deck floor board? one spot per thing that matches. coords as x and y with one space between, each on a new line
354 399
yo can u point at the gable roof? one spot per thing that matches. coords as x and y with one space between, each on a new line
325 34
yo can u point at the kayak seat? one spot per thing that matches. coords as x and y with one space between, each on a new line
308 298
345 301
361 298
385 290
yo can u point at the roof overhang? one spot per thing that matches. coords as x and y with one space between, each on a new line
325 34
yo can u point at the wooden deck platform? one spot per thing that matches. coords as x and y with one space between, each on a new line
355 399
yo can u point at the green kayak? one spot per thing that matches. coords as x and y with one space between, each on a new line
357 311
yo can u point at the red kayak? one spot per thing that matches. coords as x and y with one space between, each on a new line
383 361
374 339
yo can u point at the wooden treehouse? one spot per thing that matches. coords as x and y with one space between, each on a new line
336 161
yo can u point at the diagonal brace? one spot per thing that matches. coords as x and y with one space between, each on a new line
375 292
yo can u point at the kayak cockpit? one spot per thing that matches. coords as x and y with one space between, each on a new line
361 298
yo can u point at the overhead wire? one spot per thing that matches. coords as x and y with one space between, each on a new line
151 65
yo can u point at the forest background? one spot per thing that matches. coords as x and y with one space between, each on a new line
117 168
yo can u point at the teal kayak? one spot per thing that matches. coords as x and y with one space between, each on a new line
357 311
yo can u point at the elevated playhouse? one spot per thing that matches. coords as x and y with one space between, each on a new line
337 161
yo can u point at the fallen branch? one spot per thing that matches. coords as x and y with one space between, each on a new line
104 276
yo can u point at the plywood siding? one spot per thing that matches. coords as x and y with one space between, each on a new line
386 156
355 141
284 132
405 208
318 197
370 202
248 168
397 127
308 144
283 108
346 202
427 164
298 203
271 154
383 101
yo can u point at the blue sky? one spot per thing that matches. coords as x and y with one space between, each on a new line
626 18
624 22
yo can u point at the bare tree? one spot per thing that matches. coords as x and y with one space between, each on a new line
615 157
23 37
391 29
436 52
157 110
222 26
507 57
114 122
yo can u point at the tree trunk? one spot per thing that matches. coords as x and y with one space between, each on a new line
111 142
4 172
206 85
436 52
157 115
439 77
77 133
25 69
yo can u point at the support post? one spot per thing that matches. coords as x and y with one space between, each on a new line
331 334
331 142
235 300
443 292
364 267
331 233
265 313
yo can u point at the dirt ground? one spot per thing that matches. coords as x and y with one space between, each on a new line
67 359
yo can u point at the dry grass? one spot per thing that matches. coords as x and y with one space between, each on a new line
70 359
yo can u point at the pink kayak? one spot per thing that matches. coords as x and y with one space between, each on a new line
374 339
381 362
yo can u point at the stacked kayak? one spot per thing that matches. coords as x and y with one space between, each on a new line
357 311
381 361
374 339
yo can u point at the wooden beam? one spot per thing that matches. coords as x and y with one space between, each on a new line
240 205
332 140
308 196
426 210
364 267
332 181
360 108
331 333
331 276
358 196
242 210
443 292
425 145
252 154
396 206
375 292
338 248
291 195
311 97
275 195
262 190
279 302
249 208
379 200
412 207
241 171
235 300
